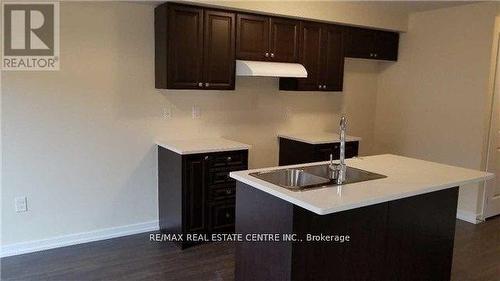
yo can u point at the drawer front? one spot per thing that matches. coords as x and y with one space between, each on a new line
226 159
222 193
222 216
217 176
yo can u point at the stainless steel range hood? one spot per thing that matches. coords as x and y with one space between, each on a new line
270 69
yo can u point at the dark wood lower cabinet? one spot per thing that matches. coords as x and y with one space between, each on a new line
222 216
195 192
293 152
405 239
420 235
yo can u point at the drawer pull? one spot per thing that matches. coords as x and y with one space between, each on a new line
229 158
228 215
229 191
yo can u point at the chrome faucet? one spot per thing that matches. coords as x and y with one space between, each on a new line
342 170
338 171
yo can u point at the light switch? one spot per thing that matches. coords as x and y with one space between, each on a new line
196 112
21 204
167 112
288 112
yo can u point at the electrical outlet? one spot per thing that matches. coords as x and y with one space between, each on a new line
21 204
196 112
167 112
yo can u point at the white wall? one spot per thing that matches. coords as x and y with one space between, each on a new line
386 15
493 187
79 142
433 104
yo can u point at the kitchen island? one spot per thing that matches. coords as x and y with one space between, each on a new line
400 227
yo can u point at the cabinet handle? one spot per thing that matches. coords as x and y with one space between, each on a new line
266 55
200 84
324 86
206 157
272 55
207 84
228 215
375 55
228 191
319 86
371 55
229 158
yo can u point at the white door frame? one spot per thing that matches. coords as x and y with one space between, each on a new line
491 201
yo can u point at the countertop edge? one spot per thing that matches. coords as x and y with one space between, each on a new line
244 177
188 152
402 196
320 211
348 139
173 148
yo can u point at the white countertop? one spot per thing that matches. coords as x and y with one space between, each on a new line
205 145
316 138
405 177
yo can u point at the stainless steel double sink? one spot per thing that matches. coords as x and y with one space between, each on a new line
312 176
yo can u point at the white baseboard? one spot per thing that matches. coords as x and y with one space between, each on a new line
468 216
119 231
77 238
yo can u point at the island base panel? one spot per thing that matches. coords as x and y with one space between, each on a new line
405 239
259 212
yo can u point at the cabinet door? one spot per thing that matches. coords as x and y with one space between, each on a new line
252 37
222 217
185 47
386 45
310 55
420 233
332 61
284 40
219 59
195 194
360 43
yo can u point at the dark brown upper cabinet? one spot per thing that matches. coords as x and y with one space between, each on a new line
371 44
252 39
197 47
219 52
332 61
386 45
264 38
284 40
310 55
194 48
321 53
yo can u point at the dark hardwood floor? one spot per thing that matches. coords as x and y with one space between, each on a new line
476 257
